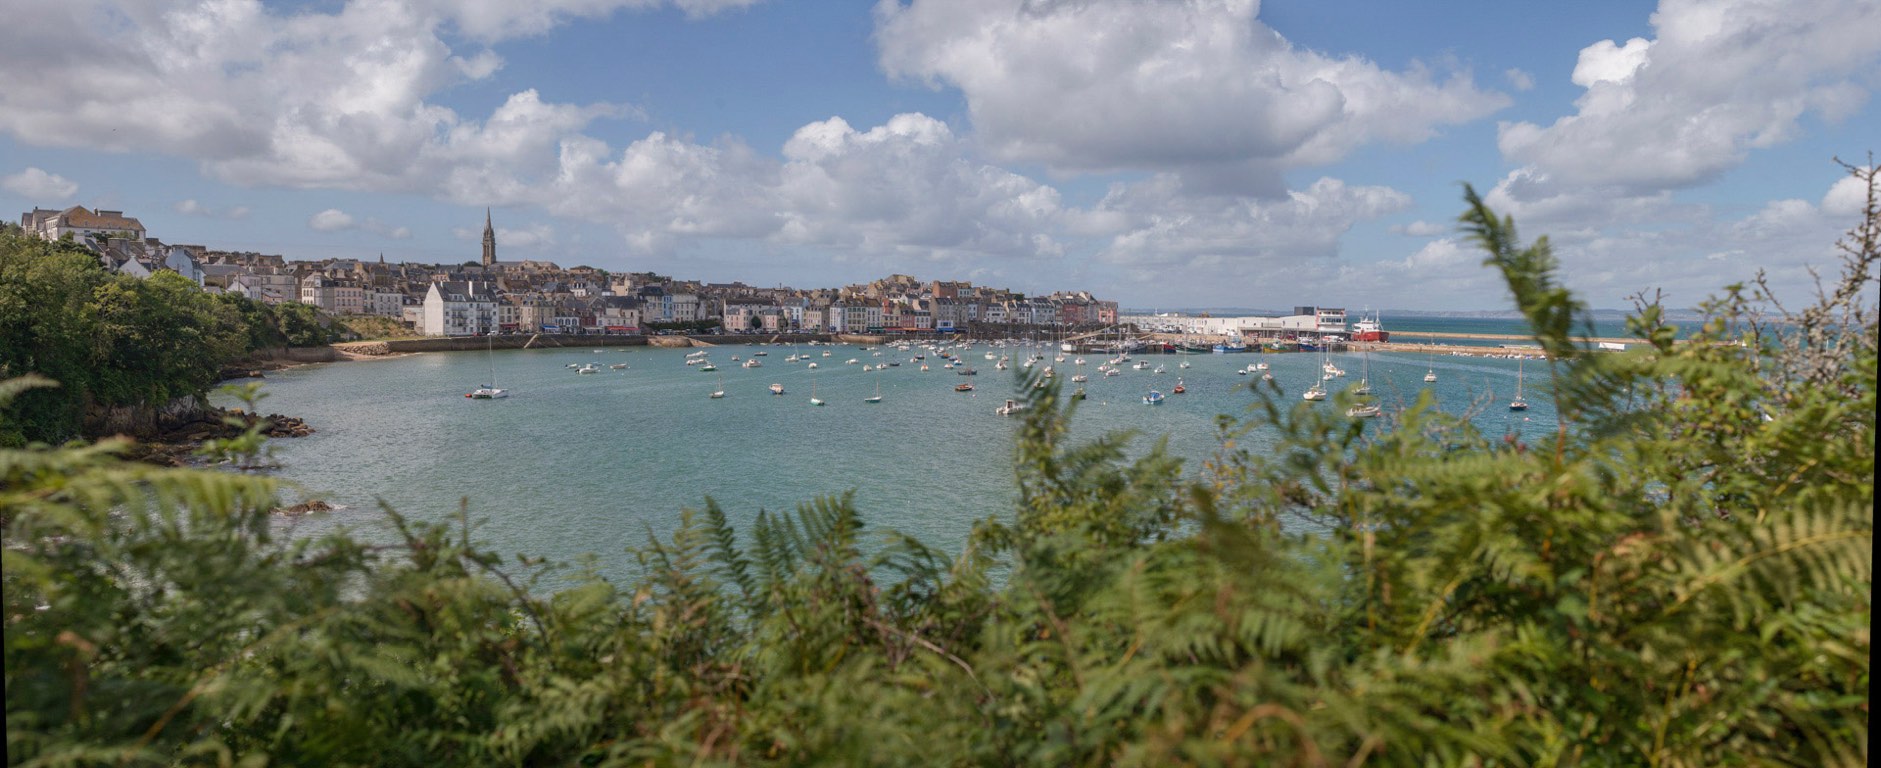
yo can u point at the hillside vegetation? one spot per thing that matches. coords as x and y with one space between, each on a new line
1680 576
115 340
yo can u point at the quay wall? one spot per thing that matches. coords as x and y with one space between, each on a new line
480 343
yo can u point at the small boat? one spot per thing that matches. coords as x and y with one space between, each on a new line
589 368
1078 395
752 363
1363 411
708 367
489 391
813 366
777 389
617 366
760 354
877 397
1518 404
966 372
1314 393
1011 407
963 387
1080 378
720 392
1179 388
1153 398
851 361
866 369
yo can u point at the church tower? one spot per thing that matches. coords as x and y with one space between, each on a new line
489 240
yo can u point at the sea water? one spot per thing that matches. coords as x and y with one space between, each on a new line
572 464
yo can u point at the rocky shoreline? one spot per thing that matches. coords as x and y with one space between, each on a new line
176 445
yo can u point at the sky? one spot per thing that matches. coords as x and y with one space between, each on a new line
1164 154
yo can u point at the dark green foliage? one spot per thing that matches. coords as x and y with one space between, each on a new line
1682 578
113 340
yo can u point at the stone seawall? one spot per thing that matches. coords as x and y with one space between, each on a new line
479 343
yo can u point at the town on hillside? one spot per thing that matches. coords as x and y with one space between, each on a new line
494 296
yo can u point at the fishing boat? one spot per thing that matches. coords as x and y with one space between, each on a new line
489 391
1153 398
1011 407
1518 404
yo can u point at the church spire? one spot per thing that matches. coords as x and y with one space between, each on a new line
489 240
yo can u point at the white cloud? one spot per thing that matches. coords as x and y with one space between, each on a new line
1172 86
305 98
335 220
1420 228
330 220
1722 77
1519 79
1847 198
192 208
1160 228
36 183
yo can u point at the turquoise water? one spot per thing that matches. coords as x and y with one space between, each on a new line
572 464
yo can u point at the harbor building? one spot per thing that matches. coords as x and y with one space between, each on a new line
1307 324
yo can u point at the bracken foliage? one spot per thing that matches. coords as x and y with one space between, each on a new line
1680 577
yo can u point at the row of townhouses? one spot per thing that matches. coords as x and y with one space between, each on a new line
496 296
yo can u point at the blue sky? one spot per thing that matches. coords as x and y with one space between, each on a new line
1165 154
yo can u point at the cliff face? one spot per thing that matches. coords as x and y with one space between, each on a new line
146 422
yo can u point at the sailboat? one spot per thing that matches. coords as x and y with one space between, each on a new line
489 391
877 397
1518 404
720 392
1365 382
1179 388
1430 371
814 400
1315 392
